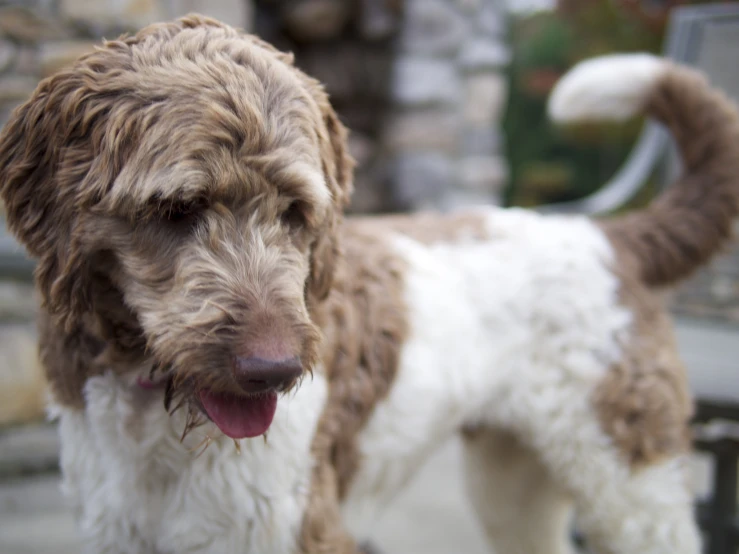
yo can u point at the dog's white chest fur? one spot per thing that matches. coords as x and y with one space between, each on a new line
136 489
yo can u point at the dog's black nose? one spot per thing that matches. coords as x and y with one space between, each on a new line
258 375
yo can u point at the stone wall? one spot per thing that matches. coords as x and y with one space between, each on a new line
418 82
448 94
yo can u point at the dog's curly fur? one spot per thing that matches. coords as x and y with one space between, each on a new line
141 176
183 191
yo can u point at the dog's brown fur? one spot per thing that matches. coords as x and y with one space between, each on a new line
164 184
170 246
644 402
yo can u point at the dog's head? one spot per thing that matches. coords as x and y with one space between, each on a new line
186 185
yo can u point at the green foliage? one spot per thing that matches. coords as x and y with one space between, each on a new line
550 164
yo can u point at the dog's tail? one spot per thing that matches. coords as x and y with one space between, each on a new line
693 218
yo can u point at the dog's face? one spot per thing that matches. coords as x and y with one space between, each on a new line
194 177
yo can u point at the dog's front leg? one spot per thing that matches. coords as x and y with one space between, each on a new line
323 530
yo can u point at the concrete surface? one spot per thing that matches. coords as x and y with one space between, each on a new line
432 516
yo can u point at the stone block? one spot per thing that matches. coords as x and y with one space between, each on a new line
361 147
491 18
349 72
484 54
18 302
16 88
426 129
315 20
100 14
454 200
432 28
420 179
469 6
24 25
484 174
8 54
484 140
422 82
370 191
26 61
378 20
238 13
22 384
54 56
485 98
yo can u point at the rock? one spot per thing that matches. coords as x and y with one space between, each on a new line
18 302
361 147
457 199
238 13
491 18
8 54
432 28
101 14
351 72
482 54
26 61
485 96
24 25
420 82
54 56
14 88
483 174
426 129
22 384
369 191
420 179
469 6
308 20
378 21
483 140
724 288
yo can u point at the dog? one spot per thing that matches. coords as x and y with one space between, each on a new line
236 368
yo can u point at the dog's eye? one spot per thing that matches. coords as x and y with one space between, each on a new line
294 216
184 212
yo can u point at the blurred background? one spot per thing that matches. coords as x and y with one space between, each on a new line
446 103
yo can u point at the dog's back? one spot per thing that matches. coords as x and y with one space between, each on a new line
558 323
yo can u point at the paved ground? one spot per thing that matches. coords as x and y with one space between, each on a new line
430 517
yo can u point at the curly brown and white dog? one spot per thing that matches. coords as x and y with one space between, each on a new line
182 191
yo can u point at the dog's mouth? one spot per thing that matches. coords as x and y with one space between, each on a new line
239 416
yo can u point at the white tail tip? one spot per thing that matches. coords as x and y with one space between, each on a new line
611 87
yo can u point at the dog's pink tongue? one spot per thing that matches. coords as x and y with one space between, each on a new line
240 417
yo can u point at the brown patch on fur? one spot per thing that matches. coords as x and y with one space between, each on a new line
688 224
431 228
364 324
644 402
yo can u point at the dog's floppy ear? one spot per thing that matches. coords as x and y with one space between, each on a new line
338 169
47 155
